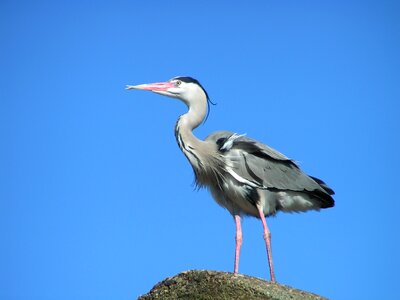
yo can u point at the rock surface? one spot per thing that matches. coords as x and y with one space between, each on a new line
213 285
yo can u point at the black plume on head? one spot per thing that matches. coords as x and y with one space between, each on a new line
188 79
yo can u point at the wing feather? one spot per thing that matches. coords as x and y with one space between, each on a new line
265 167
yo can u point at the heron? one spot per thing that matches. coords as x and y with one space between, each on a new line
244 176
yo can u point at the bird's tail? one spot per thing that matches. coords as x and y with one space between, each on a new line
323 185
324 196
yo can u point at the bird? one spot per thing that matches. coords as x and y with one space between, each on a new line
246 177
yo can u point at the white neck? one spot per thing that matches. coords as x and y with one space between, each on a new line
188 143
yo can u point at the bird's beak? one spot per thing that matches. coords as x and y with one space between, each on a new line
155 87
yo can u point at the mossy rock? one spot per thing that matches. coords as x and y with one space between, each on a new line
213 285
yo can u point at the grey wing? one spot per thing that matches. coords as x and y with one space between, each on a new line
258 165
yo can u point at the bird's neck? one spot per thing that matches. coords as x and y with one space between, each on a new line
195 115
206 164
185 125
190 145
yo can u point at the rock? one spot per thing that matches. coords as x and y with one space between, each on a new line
213 285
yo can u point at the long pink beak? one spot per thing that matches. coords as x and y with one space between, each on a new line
158 86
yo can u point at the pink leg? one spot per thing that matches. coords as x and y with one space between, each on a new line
238 243
267 238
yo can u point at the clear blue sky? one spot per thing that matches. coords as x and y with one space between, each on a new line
96 199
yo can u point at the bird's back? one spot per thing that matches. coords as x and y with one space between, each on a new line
257 175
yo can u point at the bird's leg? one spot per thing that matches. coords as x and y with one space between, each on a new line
238 243
267 238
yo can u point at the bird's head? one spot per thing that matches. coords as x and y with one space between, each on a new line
184 88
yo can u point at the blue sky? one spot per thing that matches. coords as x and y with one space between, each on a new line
97 201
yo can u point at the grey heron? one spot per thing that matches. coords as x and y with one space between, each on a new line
244 176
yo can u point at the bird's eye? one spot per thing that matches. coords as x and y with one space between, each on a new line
178 83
